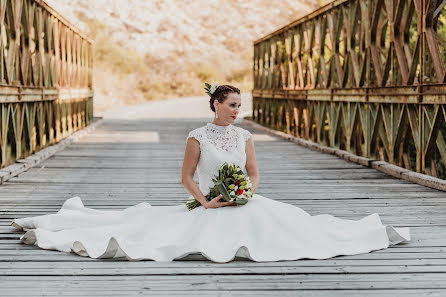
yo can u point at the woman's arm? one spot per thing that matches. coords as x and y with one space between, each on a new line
191 157
251 164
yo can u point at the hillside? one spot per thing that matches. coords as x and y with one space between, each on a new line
147 50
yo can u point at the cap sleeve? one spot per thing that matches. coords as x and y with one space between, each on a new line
246 134
197 134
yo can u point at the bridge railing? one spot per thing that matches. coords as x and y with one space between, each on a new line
45 78
366 76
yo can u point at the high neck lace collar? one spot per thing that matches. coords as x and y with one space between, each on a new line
219 128
223 137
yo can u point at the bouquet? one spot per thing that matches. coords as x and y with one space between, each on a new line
231 183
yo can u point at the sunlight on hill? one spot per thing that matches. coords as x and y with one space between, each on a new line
150 50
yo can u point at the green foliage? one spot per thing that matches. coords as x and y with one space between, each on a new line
205 72
323 2
118 57
239 73
441 32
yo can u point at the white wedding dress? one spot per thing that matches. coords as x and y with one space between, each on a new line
261 230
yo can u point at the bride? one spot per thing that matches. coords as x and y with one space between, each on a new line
262 230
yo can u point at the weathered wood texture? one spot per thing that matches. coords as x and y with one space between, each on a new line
45 79
367 76
124 162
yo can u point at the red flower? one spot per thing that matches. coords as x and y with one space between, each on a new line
239 192
237 182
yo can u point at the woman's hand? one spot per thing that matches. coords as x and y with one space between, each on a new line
215 203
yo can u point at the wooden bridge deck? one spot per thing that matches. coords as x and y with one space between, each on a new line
127 161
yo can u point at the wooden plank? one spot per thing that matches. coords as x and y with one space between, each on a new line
265 282
139 288
111 174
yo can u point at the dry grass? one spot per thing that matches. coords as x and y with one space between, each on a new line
154 50
120 71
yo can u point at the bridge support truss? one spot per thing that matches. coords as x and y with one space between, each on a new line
45 78
366 76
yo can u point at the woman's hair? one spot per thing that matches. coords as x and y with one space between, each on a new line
221 93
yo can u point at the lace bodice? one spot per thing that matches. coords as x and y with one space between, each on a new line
218 144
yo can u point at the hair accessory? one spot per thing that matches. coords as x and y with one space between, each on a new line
211 89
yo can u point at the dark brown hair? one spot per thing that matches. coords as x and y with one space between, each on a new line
221 93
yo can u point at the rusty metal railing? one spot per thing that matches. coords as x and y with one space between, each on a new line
45 79
366 76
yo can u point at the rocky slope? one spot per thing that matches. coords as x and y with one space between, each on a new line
155 49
